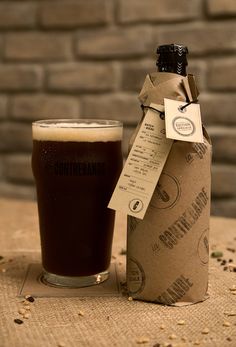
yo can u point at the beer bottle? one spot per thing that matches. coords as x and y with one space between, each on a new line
167 250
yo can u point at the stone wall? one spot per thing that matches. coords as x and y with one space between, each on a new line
88 58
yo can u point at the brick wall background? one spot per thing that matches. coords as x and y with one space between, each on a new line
88 58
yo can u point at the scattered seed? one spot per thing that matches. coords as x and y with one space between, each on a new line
22 311
205 331
1 257
61 344
184 339
219 259
157 345
108 318
230 260
233 288
225 268
30 299
172 336
231 249
162 326
229 339
226 324
130 298
181 322
18 321
27 296
143 339
123 251
81 313
216 254
232 266
196 343
230 314
26 315
223 262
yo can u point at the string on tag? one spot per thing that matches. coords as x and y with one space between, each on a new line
181 108
161 114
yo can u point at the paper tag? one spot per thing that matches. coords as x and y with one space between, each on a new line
183 125
143 167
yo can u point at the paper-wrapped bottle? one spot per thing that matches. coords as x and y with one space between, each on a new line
167 251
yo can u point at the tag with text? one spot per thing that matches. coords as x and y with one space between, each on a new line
183 124
143 167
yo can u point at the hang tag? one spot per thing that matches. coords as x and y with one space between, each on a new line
143 167
183 125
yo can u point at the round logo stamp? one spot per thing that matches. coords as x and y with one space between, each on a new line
136 276
203 247
183 126
167 192
136 205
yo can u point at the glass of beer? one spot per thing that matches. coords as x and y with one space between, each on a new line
76 164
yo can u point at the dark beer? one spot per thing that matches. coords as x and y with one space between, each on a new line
76 168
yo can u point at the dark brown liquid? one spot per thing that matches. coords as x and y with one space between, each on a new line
75 181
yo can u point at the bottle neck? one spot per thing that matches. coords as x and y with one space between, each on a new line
179 69
172 58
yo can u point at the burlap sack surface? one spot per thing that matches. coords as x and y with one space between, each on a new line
110 321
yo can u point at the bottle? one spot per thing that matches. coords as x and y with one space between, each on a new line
167 251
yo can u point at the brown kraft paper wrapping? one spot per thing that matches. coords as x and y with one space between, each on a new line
167 251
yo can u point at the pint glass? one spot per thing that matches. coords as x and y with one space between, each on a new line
76 164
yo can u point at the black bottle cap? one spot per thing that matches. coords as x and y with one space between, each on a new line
172 58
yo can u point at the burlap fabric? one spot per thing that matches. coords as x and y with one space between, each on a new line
109 321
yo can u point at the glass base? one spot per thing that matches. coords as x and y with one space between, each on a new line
73 282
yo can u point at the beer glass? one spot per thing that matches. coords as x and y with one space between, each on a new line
76 164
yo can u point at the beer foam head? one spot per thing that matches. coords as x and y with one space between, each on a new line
77 130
